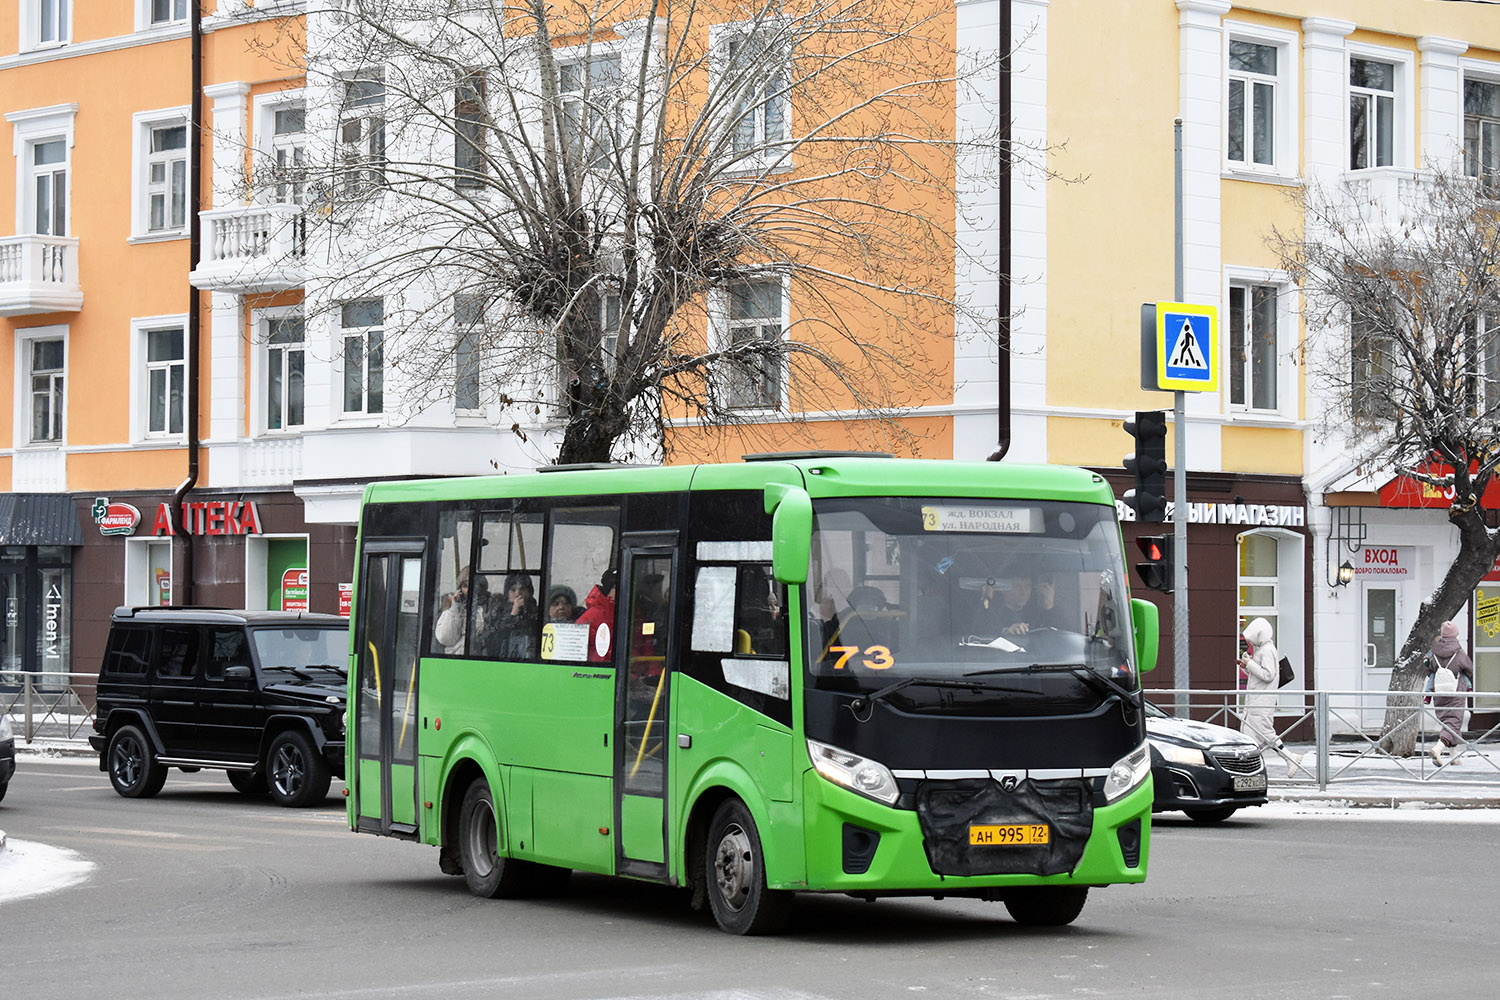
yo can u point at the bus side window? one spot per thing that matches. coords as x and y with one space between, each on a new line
507 623
760 611
453 584
583 544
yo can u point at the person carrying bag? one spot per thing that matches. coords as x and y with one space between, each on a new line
1450 674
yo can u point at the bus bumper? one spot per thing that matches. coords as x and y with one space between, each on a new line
857 845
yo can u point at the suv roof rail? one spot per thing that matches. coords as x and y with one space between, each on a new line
129 611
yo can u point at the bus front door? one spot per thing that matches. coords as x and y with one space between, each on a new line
643 678
385 786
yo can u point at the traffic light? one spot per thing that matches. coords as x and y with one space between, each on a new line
1149 465
1157 571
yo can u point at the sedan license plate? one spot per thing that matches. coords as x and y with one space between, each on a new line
1011 835
1249 782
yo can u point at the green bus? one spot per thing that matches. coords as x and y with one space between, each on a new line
817 672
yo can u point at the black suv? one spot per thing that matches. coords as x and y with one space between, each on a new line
259 694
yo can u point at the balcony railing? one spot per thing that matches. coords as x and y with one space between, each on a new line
1387 198
252 248
39 274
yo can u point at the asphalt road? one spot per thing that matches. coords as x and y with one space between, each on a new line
201 892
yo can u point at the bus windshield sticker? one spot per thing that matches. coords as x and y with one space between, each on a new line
766 676
565 641
983 519
713 610
734 551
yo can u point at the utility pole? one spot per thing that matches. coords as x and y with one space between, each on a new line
1181 676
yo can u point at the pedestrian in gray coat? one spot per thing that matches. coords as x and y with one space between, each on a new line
1448 703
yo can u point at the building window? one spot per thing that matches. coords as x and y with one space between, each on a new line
1372 113
168 11
1373 374
469 129
1252 103
609 329
46 390
49 187
285 360
166 179
589 89
759 79
755 323
1259 581
363 323
166 382
468 351
362 134
1253 365
1485 396
1482 133
45 23
288 153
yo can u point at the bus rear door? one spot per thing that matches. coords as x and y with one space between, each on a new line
390 598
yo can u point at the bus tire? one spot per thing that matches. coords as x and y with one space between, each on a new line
133 767
297 775
734 872
1046 905
489 876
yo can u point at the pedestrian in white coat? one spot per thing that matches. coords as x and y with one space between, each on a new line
1261 664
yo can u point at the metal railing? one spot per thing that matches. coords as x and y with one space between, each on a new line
1345 726
48 705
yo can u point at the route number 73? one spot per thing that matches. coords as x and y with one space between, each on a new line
875 657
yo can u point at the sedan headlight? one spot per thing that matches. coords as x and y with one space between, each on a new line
1177 754
6 731
856 773
1129 771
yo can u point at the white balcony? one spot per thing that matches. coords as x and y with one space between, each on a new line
38 470
39 274
1387 198
252 248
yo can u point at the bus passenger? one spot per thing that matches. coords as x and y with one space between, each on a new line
562 604
452 625
514 622
599 616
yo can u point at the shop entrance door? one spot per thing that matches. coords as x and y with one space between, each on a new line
386 644
1381 635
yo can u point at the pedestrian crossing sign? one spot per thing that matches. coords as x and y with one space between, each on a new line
1187 339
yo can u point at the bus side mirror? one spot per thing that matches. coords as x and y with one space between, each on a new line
791 531
1146 621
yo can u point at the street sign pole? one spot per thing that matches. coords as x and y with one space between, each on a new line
1180 633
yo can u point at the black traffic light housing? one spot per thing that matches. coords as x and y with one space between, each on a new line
1148 463
1158 570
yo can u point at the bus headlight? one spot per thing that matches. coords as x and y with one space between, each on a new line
856 773
1177 754
1128 772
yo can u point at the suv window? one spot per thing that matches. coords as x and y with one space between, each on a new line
226 648
128 651
179 653
317 654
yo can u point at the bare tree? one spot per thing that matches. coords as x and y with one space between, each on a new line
1407 302
608 214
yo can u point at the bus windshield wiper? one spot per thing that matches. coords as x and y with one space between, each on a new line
864 701
1094 679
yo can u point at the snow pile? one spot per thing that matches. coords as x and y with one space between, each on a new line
30 869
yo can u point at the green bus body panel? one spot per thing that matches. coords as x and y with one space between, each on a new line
900 861
403 794
568 811
641 818
368 789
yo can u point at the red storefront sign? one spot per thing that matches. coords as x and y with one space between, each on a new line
346 599
1404 491
210 517
294 590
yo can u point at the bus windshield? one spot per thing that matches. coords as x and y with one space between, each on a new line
986 591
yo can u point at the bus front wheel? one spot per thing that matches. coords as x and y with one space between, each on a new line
735 875
1046 905
488 875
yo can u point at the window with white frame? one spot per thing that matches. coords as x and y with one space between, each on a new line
363 326
1252 341
757 75
165 381
1485 361
45 23
469 130
49 187
609 329
1251 117
755 324
168 11
362 133
285 363
166 178
1372 113
1259 581
288 153
45 363
468 351
1374 366
590 92
1482 133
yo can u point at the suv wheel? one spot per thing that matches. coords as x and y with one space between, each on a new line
133 768
298 775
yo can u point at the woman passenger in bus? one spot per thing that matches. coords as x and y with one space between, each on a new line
452 625
515 621
562 604
599 616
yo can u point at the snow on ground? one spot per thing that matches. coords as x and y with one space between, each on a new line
30 869
1404 812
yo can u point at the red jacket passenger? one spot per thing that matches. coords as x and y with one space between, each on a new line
599 616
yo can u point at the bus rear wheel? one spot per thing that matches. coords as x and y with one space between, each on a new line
735 875
488 874
1046 905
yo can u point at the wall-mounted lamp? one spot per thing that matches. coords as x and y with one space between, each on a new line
1346 530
